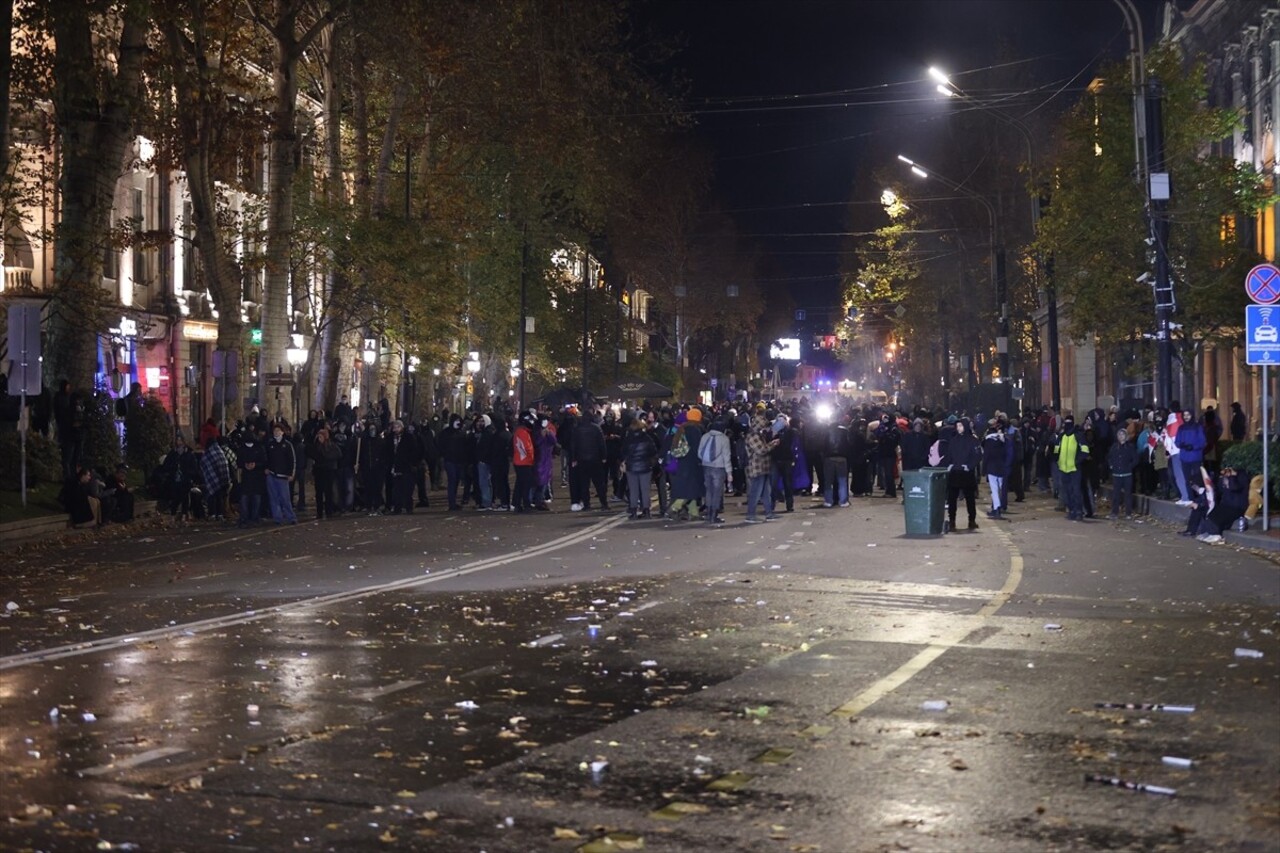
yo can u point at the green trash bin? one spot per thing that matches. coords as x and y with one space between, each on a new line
924 500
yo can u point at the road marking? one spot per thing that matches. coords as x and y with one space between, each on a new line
413 530
296 559
806 524
546 641
387 690
140 758
755 561
783 547
646 606
220 622
933 651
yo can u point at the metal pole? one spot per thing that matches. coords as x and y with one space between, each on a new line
1157 207
524 309
1266 458
586 289
24 422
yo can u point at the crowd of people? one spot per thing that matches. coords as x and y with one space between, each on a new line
688 459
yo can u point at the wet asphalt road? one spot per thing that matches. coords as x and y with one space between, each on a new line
577 681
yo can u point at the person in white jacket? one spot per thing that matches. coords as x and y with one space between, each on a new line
716 455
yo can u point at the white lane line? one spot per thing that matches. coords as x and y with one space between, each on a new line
755 561
296 559
387 690
220 622
783 547
140 758
806 524
645 606
413 530
798 533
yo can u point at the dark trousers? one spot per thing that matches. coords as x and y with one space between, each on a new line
886 476
525 484
1014 482
402 492
1121 493
501 483
660 482
959 482
371 493
451 475
782 471
590 474
324 493
1071 494
422 485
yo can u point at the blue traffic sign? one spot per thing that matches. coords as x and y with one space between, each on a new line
1263 284
1262 334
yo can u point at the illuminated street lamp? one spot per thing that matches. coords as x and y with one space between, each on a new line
997 258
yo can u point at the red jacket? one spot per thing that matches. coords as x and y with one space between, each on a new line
522 447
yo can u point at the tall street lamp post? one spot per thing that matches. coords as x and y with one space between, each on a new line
997 259
950 90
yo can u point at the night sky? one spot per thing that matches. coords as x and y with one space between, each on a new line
796 95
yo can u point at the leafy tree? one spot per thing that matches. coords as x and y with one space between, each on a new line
148 435
1094 228
101 438
85 57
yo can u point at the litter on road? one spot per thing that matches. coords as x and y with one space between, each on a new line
1146 706
1248 653
1130 786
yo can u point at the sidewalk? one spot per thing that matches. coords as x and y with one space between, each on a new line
55 526
1170 512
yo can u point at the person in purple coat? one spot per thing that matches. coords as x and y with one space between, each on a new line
545 443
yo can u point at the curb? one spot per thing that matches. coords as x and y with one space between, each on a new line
57 526
1171 513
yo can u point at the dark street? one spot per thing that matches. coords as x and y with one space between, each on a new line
572 681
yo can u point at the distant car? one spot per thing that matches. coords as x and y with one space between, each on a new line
1266 334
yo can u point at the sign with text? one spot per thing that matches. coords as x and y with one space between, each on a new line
1262 334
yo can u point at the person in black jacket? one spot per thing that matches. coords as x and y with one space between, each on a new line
500 464
887 437
326 456
589 454
915 447
281 470
639 455
453 458
346 479
960 456
835 464
1122 459
371 465
404 454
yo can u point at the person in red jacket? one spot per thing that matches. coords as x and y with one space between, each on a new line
522 456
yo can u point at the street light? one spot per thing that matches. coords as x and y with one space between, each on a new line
997 258
950 90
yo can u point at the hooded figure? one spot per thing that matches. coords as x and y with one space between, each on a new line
961 457
1070 450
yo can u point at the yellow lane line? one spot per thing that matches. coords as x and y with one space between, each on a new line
935 650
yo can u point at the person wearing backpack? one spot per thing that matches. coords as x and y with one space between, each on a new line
686 480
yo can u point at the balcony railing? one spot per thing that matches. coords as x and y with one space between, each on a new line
17 279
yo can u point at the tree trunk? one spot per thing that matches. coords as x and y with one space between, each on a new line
95 111
283 160
328 352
